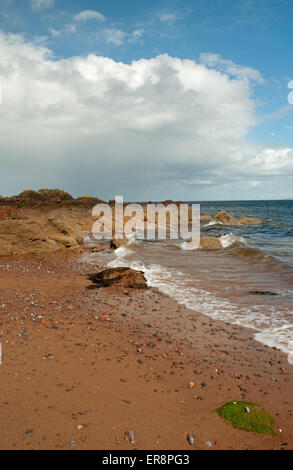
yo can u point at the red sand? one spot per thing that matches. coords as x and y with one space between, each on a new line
88 365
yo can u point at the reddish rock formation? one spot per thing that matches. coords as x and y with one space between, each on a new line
210 243
7 212
227 219
121 277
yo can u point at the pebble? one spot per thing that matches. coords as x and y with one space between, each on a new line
130 436
247 410
190 439
29 432
72 443
208 444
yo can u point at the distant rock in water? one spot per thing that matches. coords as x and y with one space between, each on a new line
205 218
227 219
121 277
263 292
249 221
210 243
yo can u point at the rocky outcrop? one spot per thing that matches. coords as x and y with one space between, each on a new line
37 198
49 197
210 243
225 218
7 212
206 243
43 221
120 277
250 221
37 235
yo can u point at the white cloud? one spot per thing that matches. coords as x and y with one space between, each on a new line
39 4
87 15
136 36
55 32
145 129
168 17
240 71
67 29
114 36
137 33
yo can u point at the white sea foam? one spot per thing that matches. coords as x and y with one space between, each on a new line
189 246
213 222
120 260
226 240
271 326
229 239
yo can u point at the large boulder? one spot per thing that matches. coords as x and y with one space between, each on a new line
120 277
227 219
20 237
37 235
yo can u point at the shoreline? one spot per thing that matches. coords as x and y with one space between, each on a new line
82 367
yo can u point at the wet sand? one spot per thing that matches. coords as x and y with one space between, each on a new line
82 367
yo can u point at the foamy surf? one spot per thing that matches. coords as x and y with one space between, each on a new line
230 239
272 328
212 222
227 240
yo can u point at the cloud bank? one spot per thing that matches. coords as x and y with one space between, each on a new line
156 128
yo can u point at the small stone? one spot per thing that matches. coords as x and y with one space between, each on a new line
246 409
208 444
49 356
29 432
203 385
130 436
191 385
190 439
72 443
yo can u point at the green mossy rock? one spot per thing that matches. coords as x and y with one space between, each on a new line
257 420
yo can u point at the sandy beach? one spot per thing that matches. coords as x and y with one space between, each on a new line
146 229
82 368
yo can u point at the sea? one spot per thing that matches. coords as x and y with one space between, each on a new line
249 282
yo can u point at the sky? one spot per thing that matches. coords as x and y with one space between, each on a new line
152 100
